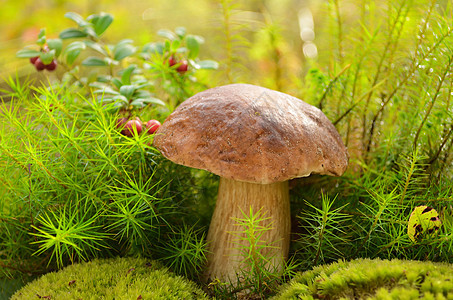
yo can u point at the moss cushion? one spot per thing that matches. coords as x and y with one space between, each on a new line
120 278
373 279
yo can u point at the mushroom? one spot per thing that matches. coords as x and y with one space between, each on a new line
255 139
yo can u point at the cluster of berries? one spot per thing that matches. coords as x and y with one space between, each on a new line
129 127
39 65
182 67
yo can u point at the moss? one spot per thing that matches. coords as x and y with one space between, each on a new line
372 279
120 278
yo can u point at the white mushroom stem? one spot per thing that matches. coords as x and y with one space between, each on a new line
225 260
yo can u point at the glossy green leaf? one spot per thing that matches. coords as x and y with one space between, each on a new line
193 45
117 98
55 44
157 47
207 64
152 100
96 47
126 76
127 91
143 85
100 22
180 31
90 32
71 56
73 50
72 33
138 103
200 39
105 90
122 99
76 18
27 53
166 34
110 61
182 50
104 79
47 57
42 33
94 62
41 41
77 45
167 46
117 82
123 49
175 45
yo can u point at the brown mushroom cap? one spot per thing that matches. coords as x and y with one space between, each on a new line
253 134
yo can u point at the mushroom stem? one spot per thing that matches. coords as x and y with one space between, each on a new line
225 260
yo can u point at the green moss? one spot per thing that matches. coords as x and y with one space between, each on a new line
373 279
120 278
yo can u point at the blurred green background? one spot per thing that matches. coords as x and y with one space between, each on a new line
256 23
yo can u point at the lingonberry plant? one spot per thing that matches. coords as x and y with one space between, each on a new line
83 180
124 71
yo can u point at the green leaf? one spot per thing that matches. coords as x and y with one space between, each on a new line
117 82
71 56
122 99
157 47
72 33
167 46
180 31
174 45
143 85
166 34
126 77
138 103
73 50
127 91
47 57
110 61
101 22
105 90
182 50
90 32
27 53
96 47
42 33
41 41
77 45
55 44
154 101
94 62
76 18
193 45
123 49
200 39
207 64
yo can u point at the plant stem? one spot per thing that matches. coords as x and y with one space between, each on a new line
436 95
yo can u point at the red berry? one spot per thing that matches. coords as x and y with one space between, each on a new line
182 67
172 61
152 126
39 65
129 128
121 122
52 66
33 59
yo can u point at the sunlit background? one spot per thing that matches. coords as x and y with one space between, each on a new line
274 35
